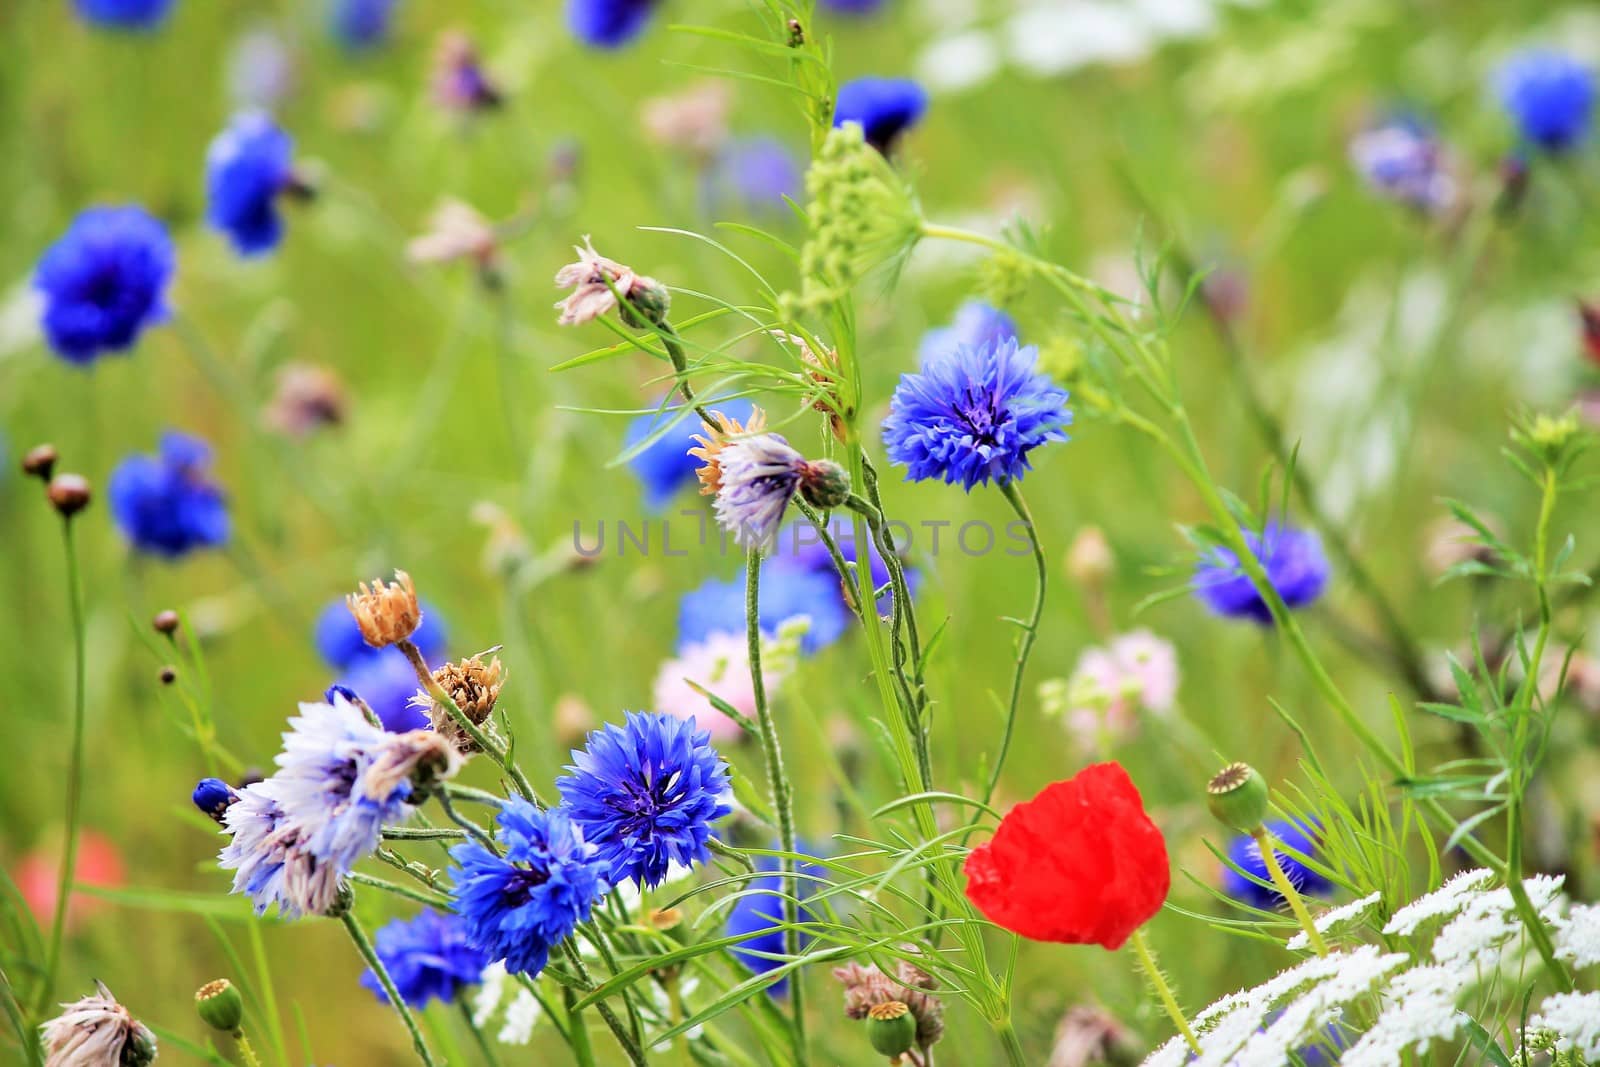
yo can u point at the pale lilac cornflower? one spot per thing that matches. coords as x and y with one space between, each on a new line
596 282
760 475
1402 160
97 1032
269 861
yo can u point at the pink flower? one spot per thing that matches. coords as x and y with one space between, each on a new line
721 665
1110 684
694 120
592 280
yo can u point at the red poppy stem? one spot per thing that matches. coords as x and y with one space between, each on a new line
1158 982
1286 889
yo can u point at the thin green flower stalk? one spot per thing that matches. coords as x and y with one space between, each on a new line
69 853
782 793
1030 631
363 945
1163 989
1286 889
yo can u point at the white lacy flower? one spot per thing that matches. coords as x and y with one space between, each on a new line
523 1015
1420 1008
1336 919
1571 1021
491 988
1578 940
1446 900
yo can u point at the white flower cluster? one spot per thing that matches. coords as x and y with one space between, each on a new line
1418 993
521 1016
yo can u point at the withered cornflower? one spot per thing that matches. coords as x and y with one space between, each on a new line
754 474
716 439
866 987
596 282
307 399
97 1032
475 687
456 231
386 614
1081 863
694 120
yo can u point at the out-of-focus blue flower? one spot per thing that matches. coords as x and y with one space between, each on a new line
361 24
1244 854
1402 160
1550 96
972 414
665 466
718 607
799 547
646 794
759 911
214 796
884 108
341 645
520 905
104 281
976 323
124 14
387 682
608 23
167 505
248 166
853 7
459 81
756 173
428 958
1294 564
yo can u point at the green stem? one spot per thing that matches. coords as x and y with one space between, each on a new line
1010 1042
364 946
478 1036
1158 982
1030 632
629 1047
577 1034
1286 889
69 854
781 791
433 900
246 1050
481 738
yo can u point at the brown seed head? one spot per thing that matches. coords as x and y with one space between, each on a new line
40 462
889 1009
475 687
165 622
386 614
69 493
715 440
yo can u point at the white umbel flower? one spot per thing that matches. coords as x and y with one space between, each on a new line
1570 1022
1578 940
1448 899
1336 919
523 1015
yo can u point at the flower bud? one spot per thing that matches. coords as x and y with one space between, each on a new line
648 302
40 462
891 1028
214 796
168 675
220 1005
69 494
165 622
824 484
1089 559
1237 796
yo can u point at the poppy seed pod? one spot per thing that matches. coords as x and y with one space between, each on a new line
1237 797
219 1005
891 1028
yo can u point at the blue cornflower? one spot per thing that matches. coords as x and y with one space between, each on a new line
800 548
1549 95
757 476
520 905
104 281
646 793
972 415
976 323
341 645
167 505
214 797
759 911
387 682
608 23
666 466
361 24
883 108
757 174
1402 159
124 14
428 957
717 606
268 863
249 164
1246 855
853 7
1294 564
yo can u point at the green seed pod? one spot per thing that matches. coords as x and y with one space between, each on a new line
1237 796
891 1028
220 1005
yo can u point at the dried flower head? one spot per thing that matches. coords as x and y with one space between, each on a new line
421 757
695 120
68 494
40 462
475 687
97 1032
868 987
1089 1035
307 399
386 614
715 440
823 369
596 283
456 231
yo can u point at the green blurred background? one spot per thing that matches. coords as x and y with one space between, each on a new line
1391 358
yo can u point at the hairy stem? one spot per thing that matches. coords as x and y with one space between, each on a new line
364 946
1158 982
1030 632
1286 889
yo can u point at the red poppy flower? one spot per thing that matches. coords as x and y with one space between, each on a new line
1080 863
